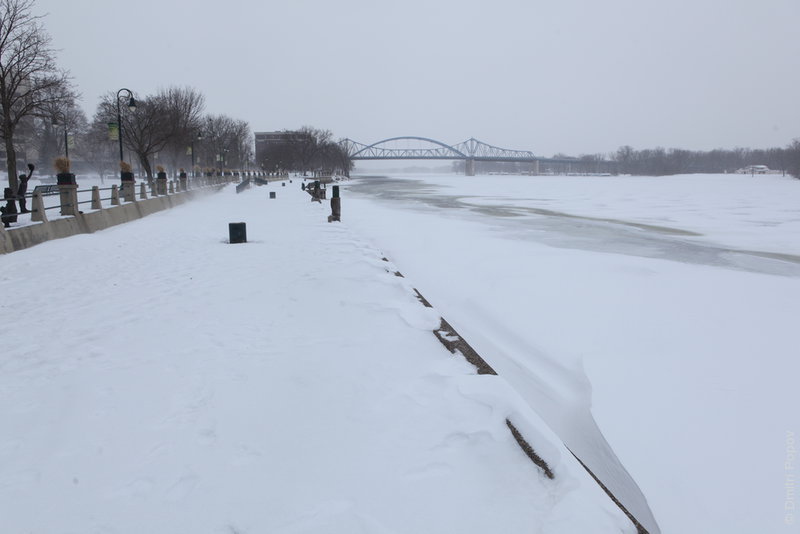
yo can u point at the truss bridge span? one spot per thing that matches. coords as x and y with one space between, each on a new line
413 147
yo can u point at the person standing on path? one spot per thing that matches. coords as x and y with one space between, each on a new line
23 189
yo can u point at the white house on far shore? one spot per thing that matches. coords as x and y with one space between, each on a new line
755 169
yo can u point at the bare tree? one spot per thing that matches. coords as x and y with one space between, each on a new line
242 142
227 142
309 144
145 131
159 120
216 140
332 157
29 79
58 127
185 106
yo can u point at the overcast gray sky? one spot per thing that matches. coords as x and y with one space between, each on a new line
571 76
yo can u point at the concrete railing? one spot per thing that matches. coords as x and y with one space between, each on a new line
90 210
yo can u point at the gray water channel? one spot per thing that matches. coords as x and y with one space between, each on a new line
573 231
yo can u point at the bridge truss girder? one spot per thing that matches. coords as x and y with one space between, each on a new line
471 149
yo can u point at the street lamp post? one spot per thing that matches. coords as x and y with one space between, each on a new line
132 107
66 141
198 138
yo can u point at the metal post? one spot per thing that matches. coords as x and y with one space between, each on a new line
132 105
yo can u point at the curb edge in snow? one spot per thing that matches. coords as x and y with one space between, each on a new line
455 343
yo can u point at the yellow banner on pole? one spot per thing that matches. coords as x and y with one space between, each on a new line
113 131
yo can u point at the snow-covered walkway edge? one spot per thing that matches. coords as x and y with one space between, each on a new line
155 378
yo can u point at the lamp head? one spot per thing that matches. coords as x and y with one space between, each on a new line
132 104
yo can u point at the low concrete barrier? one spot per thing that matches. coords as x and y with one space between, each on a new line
85 223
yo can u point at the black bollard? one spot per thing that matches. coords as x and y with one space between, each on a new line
237 232
336 206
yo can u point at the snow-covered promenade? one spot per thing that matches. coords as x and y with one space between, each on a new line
154 378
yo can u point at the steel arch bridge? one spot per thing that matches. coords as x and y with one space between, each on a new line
470 151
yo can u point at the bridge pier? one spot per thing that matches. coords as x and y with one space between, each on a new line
535 167
469 168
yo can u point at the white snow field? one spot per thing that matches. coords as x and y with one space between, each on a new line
651 322
156 379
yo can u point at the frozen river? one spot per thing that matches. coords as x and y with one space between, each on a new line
650 321
521 218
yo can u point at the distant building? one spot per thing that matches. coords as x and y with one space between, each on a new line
273 149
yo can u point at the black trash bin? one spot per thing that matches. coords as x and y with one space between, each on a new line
237 232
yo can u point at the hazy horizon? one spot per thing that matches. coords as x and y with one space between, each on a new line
576 77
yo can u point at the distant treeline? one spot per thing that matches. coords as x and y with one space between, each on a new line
658 162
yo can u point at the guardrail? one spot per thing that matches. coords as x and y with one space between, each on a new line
90 209
44 199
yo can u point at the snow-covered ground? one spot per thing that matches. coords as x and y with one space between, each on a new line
665 309
154 378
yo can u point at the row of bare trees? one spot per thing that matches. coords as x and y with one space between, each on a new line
31 83
166 129
660 161
304 150
40 118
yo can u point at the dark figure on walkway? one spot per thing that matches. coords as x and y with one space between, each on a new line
23 189
9 211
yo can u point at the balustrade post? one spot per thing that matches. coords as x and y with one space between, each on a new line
161 183
128 192
96 205
68 193
38 214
